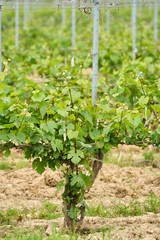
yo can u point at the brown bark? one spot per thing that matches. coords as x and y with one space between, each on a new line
69 223
73 224
97 165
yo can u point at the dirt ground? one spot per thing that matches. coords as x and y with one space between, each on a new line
25 187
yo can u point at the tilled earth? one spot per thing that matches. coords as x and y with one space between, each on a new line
25 187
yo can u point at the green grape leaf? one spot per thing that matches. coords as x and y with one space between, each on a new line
38 97
135 121
63 112
56 144
75 157
20 137
88 116
72 134
39 165
143 100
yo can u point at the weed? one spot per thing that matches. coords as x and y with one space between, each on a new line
49 211
106 232
7 164
99 210
112 158
4 165
25 235
33 213
58 235
148 156
152 204
128 158
134 208
9 216
22 164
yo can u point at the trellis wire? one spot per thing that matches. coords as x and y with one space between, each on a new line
95 51
41 4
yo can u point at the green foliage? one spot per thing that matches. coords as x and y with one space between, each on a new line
134 208
4 165
24 235
22 164
53 121
39 235
148 156
10 216
49 211
153 204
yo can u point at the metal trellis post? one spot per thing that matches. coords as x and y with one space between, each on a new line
95 51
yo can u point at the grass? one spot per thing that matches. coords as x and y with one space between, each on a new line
58 235
118 157
13 162
5 165
134 208
49 211
22 163
24 235
148 155
10 216
128 158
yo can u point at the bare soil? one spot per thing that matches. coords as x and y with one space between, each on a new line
25 187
